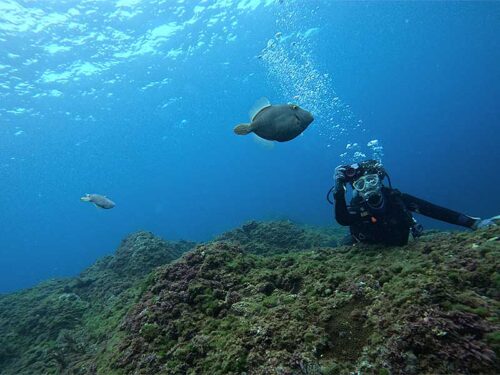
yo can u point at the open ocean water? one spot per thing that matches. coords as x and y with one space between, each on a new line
137 100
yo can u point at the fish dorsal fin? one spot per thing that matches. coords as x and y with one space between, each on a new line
259 106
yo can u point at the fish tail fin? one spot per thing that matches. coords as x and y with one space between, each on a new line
243 129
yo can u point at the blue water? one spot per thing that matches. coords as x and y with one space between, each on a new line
137 100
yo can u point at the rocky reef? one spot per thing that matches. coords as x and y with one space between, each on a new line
280 237
65 326
267 298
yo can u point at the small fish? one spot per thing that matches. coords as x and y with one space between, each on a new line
280 123
98 200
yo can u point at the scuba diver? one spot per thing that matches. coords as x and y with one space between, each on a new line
380 214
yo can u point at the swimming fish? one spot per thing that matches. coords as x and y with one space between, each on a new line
98 200
280 123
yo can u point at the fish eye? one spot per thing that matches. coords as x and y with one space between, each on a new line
294 106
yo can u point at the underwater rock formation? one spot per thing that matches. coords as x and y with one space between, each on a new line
265 238
63 326
286 305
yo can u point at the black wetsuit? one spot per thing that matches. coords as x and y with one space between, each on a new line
392 223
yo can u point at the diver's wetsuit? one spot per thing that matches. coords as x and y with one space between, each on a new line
391 224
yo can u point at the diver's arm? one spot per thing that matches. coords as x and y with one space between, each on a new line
342 214
434 211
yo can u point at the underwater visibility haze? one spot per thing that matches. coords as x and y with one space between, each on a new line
137 100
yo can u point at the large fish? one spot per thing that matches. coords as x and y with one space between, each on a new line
98 200
280 123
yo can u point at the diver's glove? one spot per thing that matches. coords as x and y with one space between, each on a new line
339 178
485 223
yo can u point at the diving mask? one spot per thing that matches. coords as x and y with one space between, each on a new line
368 187
366 183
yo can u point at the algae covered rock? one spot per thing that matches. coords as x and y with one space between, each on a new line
63 326
142 251
286 303
429 307
282 237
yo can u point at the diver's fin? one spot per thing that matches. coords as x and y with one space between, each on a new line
259 106
485 223
243 129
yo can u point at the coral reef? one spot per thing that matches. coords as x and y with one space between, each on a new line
267 298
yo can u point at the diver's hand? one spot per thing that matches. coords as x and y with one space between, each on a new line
339 178
339 175
485 223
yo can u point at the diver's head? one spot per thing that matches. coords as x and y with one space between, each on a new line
368 182
366 179
369 187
